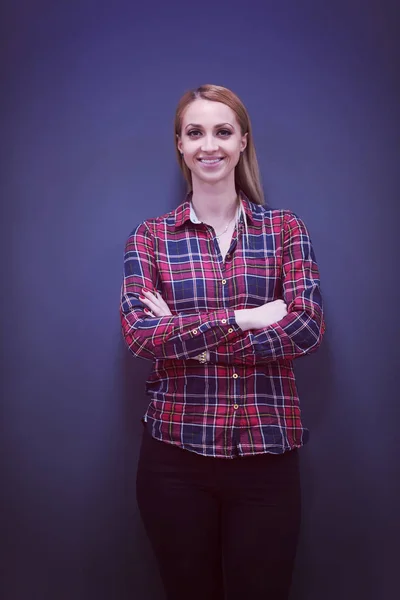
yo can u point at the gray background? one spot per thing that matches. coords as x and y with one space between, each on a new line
87 104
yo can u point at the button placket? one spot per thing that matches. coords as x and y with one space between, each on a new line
235 376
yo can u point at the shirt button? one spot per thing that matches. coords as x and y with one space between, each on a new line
228 256
235 376
236 406
223 281
194 332
223 321
230 330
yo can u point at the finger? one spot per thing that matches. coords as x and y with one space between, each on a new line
156 295
160 302
150 305
155 303
155 299
149 294
145 301
149 312
163 304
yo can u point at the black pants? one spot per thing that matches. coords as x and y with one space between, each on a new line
220 528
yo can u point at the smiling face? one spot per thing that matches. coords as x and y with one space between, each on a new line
211 141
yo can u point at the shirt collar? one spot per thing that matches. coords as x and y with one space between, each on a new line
185 211
192 215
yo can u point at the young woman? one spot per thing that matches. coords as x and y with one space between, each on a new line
221 294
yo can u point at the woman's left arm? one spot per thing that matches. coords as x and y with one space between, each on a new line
300 332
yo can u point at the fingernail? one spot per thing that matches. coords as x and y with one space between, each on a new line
142 298
145 290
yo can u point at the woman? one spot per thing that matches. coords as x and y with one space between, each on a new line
221 294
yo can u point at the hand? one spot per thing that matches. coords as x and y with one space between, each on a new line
261 316
156 306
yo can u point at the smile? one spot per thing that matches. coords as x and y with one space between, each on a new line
210 161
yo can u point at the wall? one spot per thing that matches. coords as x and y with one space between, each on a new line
88 96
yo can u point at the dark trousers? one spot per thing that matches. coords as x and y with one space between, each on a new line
220 528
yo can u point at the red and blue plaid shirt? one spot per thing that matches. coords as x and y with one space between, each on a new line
243 401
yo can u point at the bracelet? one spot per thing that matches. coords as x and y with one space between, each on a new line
202 358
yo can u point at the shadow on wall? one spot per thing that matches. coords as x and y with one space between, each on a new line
141 573
315 383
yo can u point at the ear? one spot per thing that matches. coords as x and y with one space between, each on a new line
179 143
243 142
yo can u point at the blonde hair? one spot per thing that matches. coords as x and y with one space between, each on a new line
247 174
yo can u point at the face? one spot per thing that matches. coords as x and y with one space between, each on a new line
211 141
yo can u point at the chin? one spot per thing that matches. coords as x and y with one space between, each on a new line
212 177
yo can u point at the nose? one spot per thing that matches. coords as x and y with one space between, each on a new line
209 144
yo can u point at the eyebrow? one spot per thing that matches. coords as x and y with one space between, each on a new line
200 126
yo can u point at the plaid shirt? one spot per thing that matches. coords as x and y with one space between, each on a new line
244 400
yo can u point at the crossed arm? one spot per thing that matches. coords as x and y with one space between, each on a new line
283 329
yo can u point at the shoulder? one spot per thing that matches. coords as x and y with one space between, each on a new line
153 225
261 212
282 222
274 217
166 220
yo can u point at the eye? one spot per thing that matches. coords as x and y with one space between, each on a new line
225 132
194 133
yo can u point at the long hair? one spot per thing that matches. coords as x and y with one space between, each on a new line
247 174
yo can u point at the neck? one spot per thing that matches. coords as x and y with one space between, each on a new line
213 205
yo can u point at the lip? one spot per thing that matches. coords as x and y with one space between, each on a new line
217 160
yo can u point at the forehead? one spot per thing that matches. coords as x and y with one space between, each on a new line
208 113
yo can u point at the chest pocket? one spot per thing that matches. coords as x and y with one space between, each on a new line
259 280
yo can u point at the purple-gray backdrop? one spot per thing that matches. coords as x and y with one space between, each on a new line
87 102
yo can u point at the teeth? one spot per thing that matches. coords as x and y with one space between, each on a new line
210 161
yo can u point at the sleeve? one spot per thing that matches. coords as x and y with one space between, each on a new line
180 336
300 332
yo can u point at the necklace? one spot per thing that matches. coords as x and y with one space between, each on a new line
226 228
